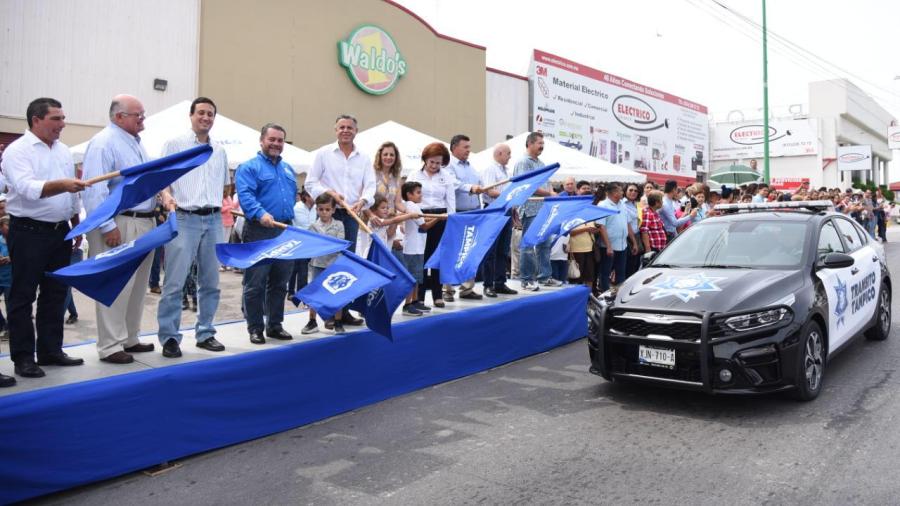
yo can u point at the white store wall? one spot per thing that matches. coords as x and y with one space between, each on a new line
84 52
506 101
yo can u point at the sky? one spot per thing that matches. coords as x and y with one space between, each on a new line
695 49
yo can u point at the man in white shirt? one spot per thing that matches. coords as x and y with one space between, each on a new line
198 198
346 173
341 170
42 203
114 148
493 271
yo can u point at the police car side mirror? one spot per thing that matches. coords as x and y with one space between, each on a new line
836 261
648 256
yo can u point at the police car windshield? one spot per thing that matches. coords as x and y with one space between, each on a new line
751 244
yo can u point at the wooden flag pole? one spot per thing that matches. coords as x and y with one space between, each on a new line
436 216
494 185
362 224
239 214
104 177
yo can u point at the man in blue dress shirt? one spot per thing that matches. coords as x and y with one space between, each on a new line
468 186
117 147
266 187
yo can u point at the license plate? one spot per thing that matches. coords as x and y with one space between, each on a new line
657 357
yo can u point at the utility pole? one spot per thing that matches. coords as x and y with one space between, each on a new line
765 98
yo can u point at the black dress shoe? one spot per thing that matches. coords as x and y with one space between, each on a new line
140 348
29 370
171 349
61 359
6 381
489 292
256 337
119 357
470 296
505 290
211 345
278 333
71 319
349 319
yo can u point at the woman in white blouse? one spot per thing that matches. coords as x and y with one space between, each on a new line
438 197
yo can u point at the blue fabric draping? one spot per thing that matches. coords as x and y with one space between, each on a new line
52 439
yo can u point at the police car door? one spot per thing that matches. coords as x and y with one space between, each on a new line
836 283
862 290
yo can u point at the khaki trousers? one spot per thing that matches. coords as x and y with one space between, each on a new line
118 326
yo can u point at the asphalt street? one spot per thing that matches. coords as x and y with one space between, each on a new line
544 431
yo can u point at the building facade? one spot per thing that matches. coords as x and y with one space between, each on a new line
805 146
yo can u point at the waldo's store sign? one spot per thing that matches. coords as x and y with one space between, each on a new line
372 59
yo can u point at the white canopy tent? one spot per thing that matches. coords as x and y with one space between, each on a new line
241 142
572 163
410 143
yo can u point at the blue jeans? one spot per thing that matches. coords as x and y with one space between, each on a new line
265 286
560 269
615 263
497 259
154 268
196 241
534 263
77 256
299 276
351 227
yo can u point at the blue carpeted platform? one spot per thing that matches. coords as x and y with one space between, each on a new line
61 437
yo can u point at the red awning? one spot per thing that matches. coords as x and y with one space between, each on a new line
895 186
660 178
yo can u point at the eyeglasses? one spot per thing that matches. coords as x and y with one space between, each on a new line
138 115
632 189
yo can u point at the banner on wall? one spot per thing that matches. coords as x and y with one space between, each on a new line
617 120
894 137
854 157
744 140
787 183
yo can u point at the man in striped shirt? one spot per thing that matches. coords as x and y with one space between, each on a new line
198 198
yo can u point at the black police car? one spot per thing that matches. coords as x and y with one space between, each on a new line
754 301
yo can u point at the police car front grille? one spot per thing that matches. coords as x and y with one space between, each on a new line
678 330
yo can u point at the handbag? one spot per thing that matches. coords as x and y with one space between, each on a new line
574 271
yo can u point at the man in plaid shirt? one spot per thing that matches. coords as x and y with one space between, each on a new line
653 233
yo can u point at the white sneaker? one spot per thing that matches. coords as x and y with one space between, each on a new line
552 282
530 286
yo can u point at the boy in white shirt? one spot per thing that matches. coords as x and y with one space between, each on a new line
414 245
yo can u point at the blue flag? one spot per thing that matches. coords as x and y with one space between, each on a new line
349 277
467 238
293 244
141 182
522 187
103 277
378 306
559 215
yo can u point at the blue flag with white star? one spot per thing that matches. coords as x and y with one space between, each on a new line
522 187
141 182
379 305
104 276
292 244
349 277
559 215
467 238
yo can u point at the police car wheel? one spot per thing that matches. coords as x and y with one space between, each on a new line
811 367
882 328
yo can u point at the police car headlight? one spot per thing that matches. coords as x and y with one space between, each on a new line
758 320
